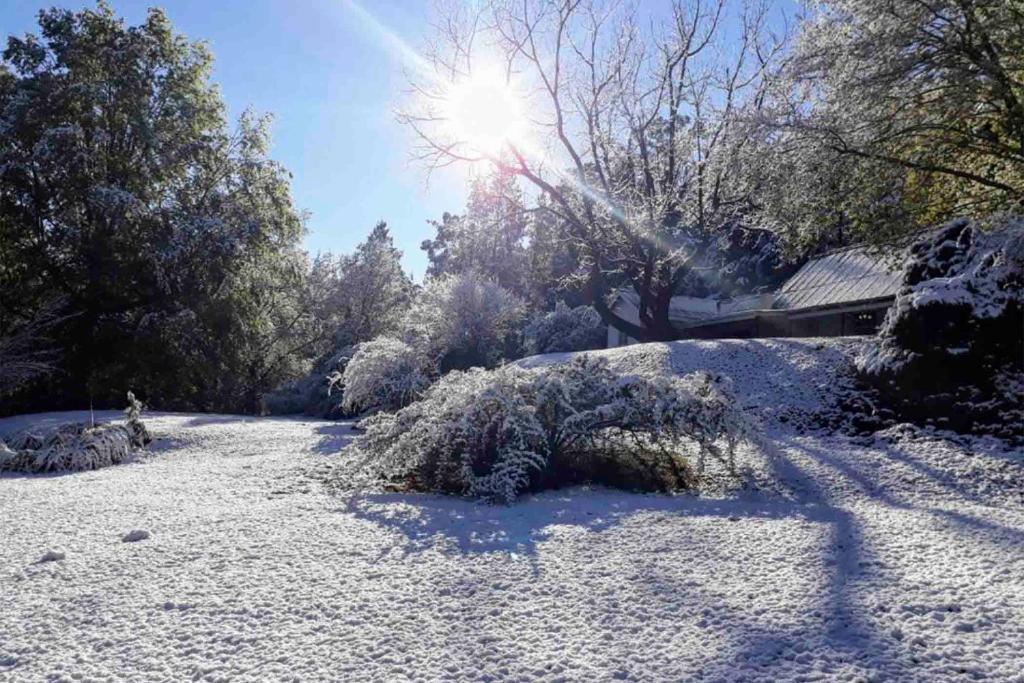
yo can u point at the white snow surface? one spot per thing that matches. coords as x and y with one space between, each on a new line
897 557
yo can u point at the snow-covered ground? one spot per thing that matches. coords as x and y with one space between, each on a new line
899 557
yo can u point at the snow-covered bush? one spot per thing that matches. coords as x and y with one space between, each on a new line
384 374
76 447
457 321
954 332
566 329
136 427
465 320
494 434
313 394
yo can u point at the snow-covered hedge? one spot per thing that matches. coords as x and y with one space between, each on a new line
384 374
566 329
76 447
493 434
954 332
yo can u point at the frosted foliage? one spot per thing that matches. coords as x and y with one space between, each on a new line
968 267
76 447
565 329
317 393
384 374
951 347
494 434
980 274
464 320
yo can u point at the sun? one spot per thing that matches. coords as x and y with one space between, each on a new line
485 112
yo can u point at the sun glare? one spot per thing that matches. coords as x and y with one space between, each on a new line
485 112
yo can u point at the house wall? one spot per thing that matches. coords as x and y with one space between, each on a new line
827 325
617 338
759 324
859 319
854 319
627 313
845 321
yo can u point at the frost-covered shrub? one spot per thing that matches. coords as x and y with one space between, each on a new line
133 419
315 394
954 332
384 374
465 320
76 447
289 398
566 329
494 434
470 429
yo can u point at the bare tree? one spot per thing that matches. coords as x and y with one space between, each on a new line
633 130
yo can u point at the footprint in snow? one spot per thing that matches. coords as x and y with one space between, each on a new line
135 535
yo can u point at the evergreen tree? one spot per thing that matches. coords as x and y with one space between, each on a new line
372 291
172 241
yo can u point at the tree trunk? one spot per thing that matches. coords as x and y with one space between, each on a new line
656 327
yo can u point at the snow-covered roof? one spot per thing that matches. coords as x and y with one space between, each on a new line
839 277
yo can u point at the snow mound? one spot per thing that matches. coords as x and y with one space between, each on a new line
52 556
774 380
792 388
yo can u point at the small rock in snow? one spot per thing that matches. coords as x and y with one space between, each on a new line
52 556
135 535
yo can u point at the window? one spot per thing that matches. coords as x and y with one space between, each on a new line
864 322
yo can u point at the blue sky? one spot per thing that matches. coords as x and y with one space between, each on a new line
331 87
331 83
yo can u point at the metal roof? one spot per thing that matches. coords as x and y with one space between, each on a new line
844 276
839 277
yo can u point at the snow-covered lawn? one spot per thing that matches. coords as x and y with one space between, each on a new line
894 558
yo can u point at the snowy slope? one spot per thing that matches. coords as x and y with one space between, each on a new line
780 382
881 559
770 377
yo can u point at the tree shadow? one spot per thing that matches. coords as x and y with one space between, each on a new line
430 522
223 418
845 628
991 457
873 491
334 437
467 528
